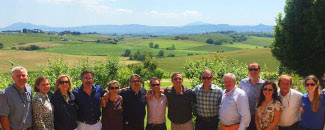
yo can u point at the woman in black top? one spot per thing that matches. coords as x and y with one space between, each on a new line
63 101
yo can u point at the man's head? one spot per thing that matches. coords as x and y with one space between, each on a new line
135 82
285 83
87 78
229 81
254 70
177 79
19 76
207 77
155 84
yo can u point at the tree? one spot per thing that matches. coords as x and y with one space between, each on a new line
156 46
151 44
161 54
1 45
299 38
173 47
127 53
210 41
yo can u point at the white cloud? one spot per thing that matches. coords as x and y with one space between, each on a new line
186 13
120 10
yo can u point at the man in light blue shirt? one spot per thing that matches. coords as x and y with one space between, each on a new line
234 109
252 87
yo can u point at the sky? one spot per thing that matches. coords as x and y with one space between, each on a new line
72 13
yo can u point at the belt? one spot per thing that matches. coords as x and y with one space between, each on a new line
90 122
157 125
231 125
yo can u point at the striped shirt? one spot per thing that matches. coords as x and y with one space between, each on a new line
208 104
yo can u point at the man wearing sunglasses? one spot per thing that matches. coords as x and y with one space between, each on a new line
134 102
88 100
180 103
291 102
15 102
252 86
156 107
208 98
234 108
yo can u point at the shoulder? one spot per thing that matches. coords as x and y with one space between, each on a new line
77 90
244 80
197 87
240 92
168 89
296 93
215 87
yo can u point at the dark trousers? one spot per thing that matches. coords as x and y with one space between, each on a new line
206 123
252 125
156 126
134 127
294 126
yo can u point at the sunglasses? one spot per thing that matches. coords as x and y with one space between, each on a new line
309 84
177 79
135 81
253 69
64 82
155 85
266 89
208 78
113 88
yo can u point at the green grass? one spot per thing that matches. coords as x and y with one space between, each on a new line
10 40
258 41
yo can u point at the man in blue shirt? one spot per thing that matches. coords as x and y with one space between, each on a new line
88 98
134 103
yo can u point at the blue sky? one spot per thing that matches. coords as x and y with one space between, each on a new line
70 13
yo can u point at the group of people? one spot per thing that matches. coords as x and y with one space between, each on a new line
256 105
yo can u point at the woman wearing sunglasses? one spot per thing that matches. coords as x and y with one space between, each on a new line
313 105
65 111
112 108
42 107
268 107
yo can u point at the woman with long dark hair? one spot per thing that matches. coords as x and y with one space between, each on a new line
313 104
268 107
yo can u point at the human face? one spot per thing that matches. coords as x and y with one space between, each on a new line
311 86
253 71
268 91
177 80
44 87
64 84
113 89
135 83
229 83
207 78
285 85
20 78
87 80
155 86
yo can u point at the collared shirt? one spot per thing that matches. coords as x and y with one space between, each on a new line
42 112
157 110
252 91
88 107
134 105
290 108
17 106
180 105
310 119
208 104
234 108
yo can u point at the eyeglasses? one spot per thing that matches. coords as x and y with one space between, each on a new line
266 89
177 79
208 78
87 78
64 82
135 81
253 69
309 84
113 88
155 85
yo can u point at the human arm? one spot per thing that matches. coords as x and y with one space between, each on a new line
5 122
4 111
243 110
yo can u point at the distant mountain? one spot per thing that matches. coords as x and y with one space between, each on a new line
136 29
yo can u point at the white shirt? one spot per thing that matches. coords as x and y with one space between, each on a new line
157 110
290 108
235 108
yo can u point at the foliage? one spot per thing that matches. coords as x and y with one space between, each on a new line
161 54
141 56
127 53
1 45
156 46
147 70
210 41
238 38
171 48
151 44
30 48
299 42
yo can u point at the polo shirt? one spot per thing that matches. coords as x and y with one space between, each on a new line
17 106
180 105
134 104
88 107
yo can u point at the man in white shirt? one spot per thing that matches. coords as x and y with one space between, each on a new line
291 102
234 109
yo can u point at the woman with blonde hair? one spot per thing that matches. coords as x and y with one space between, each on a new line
65 111
42 107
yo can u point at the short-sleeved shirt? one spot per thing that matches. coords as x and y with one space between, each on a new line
157 110
17 106
112 115
252 91
266 118
180 105
310 119
88 107
208 104
134 105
